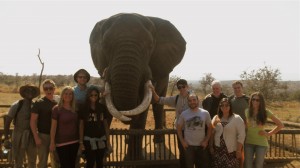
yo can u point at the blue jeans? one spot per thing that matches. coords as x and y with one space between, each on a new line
196 155
258 151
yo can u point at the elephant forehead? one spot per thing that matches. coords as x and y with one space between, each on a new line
130 24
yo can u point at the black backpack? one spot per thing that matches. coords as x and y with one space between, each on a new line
176 99
20 104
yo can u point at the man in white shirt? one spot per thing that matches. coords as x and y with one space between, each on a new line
195 141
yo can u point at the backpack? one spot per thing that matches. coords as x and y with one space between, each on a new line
177 96
20 104
176 99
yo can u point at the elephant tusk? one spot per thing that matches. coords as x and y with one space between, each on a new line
110 106
145 103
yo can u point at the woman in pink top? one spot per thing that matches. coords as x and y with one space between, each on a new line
64 129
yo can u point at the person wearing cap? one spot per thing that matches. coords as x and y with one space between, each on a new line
22 138
40 124
81 77
180 103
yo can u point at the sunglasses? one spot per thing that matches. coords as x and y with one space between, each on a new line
180 87
94 95
257 100
224 105
48 88
68 93
82 77
29 90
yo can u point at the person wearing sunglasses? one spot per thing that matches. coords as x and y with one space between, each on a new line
180 103
228 137
81 77
93 129
256 143
40 123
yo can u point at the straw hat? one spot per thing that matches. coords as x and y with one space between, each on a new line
33 89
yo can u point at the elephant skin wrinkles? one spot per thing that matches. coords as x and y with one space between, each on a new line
133 49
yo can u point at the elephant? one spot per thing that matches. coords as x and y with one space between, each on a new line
131 51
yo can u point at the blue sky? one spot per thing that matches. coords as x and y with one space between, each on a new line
223 37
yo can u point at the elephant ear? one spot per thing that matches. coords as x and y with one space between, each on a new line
96 44
169 49
99 59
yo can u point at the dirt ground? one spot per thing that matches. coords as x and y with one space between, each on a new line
170 117
292 164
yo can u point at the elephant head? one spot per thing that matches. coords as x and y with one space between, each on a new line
132 50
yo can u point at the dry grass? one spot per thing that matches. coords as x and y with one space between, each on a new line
286 111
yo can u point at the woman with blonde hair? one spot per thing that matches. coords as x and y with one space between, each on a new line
64 129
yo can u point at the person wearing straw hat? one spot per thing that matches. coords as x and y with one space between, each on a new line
22 138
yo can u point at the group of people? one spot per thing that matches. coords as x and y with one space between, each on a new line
226 132
220 132
66 127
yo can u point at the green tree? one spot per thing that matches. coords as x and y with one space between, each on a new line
265 79
172 83
206 82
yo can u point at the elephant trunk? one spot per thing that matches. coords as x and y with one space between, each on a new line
127 84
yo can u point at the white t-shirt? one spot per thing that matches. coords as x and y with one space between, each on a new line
194 125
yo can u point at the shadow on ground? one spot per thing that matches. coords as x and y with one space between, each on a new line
292 164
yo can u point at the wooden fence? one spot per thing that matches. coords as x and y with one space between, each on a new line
285 145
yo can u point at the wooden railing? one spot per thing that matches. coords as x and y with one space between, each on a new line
285 145
153 154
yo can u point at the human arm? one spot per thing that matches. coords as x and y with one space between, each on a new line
180 136
81 130
211 142
205 141
8 121
154 94
215 121
33 126
278 127
52 134
106 127
241 134
9 118
239 150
